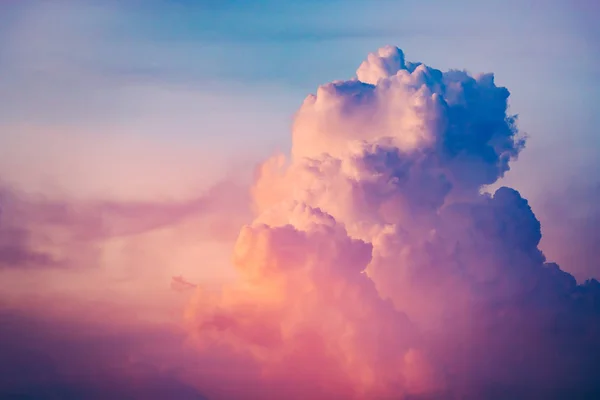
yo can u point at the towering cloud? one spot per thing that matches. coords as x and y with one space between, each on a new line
376 269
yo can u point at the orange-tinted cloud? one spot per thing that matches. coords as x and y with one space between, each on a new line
375 268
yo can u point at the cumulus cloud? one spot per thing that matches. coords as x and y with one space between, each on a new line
376 268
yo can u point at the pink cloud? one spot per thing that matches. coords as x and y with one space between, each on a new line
375 268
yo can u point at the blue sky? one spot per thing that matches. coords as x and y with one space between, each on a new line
205 82
544 52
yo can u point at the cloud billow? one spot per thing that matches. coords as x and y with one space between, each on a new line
376 268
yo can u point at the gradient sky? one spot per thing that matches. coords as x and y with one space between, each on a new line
89 86
128 134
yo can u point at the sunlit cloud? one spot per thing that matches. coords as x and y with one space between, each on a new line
375 268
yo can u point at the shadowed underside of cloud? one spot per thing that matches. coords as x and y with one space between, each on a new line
375 267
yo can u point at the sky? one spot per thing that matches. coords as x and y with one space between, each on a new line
156 81
137 142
